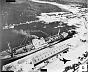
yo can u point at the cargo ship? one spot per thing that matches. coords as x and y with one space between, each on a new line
39 44
42 57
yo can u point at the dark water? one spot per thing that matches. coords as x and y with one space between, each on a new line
16 13
8 36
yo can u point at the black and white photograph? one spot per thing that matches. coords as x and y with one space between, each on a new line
44 35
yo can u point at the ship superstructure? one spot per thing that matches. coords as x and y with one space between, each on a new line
37 45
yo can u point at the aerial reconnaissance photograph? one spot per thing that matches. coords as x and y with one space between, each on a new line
44 35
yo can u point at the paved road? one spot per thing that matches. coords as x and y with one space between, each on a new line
66 7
